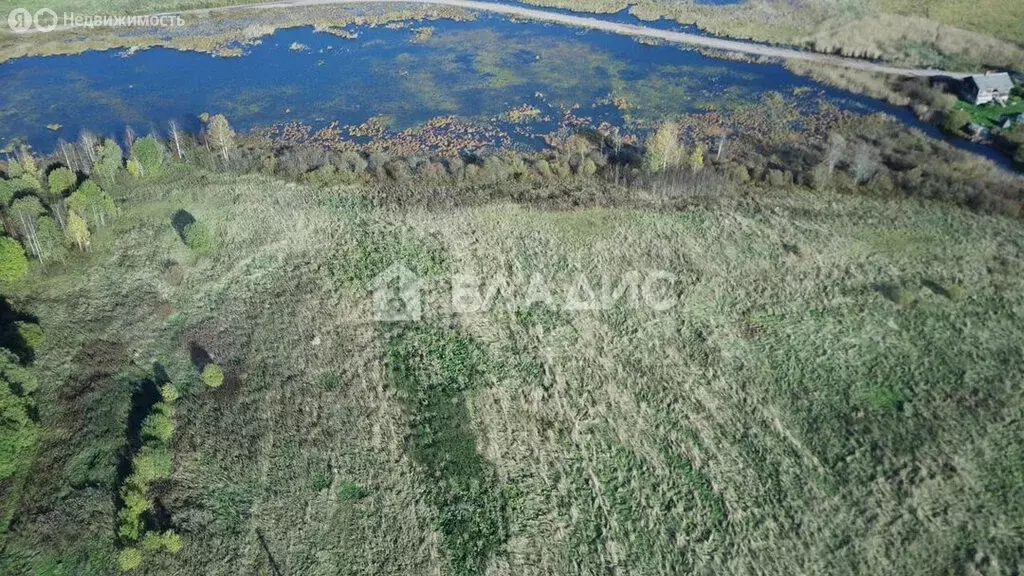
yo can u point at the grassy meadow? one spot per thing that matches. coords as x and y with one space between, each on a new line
836 391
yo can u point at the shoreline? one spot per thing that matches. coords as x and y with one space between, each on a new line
220 32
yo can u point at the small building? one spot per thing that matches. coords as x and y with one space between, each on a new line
989 87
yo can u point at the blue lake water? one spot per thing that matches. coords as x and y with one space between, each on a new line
473 70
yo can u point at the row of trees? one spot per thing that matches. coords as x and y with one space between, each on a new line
151 464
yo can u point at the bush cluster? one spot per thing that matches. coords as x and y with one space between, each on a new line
213 376
198 238
152 463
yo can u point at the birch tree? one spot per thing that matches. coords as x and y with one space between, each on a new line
176 138
220 135
663 149
77 230
836 150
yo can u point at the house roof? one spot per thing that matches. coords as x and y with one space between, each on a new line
988 82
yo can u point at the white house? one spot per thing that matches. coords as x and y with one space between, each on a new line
989 87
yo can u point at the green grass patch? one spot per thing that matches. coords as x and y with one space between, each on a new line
434 368
348 491
991 115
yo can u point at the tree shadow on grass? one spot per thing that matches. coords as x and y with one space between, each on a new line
890 291
145 395
200 357
10 336
937 288
182 220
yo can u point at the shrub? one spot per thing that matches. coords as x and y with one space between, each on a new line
348 491
956 121
159 426
543 168
31 333
780 178
588 168
907 299
398 171
169 393
353 162
321 481
957 292
129 559
198 238
151 464
329 381
739 173
13 261
17 432
172 542
19 379
213 376
61 181
130 516
155 541
326 176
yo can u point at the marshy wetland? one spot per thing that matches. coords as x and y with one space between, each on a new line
449 85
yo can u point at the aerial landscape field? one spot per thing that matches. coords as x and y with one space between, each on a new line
551 287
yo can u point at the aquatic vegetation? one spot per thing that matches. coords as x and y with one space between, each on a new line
476 71
375 127
445 135
336 31
422 34
522 114
225 34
